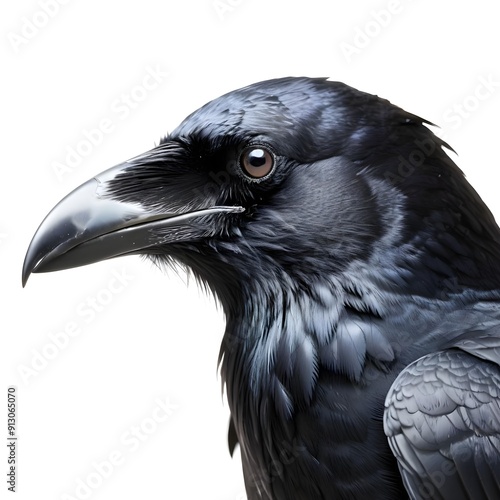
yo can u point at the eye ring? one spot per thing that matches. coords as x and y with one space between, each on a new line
257 161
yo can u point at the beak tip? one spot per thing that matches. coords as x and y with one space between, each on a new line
32 261
24 278
27 270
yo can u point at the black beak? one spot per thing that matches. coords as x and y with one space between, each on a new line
97 222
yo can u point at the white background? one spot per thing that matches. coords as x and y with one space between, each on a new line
158 338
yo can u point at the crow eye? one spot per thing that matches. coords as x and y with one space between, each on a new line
257 162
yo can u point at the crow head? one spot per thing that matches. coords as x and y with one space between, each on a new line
291 177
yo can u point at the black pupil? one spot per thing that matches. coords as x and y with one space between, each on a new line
257 157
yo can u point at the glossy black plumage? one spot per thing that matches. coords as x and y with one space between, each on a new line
360 281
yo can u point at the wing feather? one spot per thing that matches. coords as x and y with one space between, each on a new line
442 420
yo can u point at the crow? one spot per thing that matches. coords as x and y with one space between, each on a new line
359 274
